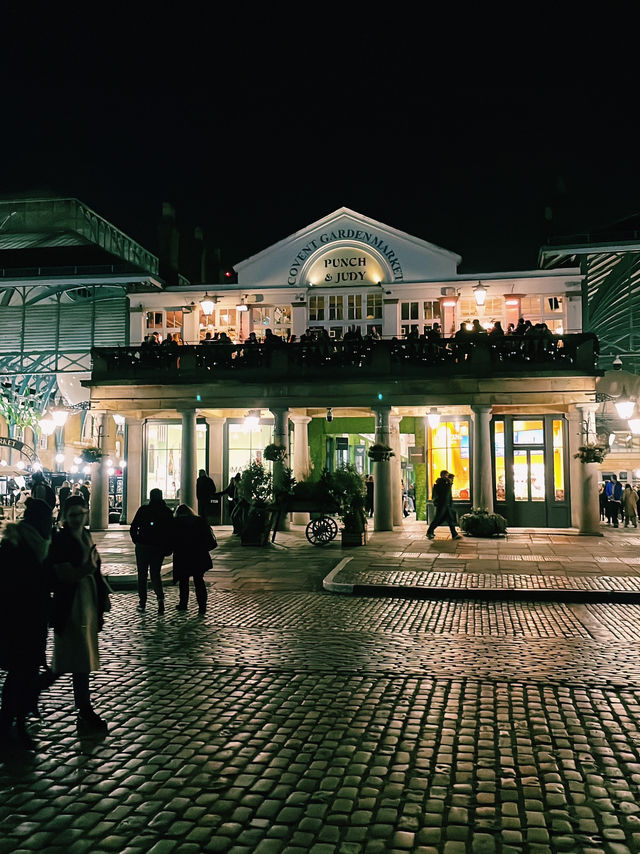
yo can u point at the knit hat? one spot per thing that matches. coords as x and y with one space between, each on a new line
37 513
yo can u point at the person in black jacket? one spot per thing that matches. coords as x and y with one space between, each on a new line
24 614
80 599
205 494
443 502
151 531
192 542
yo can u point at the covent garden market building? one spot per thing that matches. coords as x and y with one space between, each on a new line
504 414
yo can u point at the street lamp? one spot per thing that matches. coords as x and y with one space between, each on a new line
47 426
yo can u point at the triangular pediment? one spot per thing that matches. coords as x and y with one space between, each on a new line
401 256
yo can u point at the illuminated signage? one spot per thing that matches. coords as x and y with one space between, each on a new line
343 234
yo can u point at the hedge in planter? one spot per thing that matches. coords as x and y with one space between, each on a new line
481 523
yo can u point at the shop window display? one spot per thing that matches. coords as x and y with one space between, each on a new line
449 449
164 455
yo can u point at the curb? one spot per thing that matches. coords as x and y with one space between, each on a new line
491 594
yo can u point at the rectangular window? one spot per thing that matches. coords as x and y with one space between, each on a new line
316 308
164 455
409 311
521 475
530 308
174 319
501 488
558 461
449 449
374 306
431 310
528 433
354 307
335 307
246 444
155 320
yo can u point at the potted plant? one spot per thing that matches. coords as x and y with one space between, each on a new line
379 453
255 495
274 453
347 488
591 453
480 523
91 455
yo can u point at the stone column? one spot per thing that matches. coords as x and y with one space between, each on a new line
382 492
396 468
99 515
133 473
587 481
216 458
301 461
482 477
281 439
188 458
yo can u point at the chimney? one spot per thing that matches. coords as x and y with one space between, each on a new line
168 244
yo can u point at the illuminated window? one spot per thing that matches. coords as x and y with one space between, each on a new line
374 306
558 461
431 310
354 307
316 308
449 449
174 319
528 475
155 320
528 433
335 307
501 489
530 308
246 444
164 456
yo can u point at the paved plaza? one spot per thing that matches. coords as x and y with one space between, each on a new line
294 719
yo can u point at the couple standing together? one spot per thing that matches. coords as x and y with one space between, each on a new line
443 501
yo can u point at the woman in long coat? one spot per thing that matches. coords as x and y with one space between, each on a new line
24 614
193 540
80 598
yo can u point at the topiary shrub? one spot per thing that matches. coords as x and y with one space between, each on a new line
481 523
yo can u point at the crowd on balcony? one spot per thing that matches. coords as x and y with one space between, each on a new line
525 342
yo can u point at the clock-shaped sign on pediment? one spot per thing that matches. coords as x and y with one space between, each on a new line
344 266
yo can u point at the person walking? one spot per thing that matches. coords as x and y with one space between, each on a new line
24 615
629 506
614 495
602 502
192 542
369 484
151 531
443 501
85 492
42 490
205 494
80 600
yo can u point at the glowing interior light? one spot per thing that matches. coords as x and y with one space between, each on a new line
433 417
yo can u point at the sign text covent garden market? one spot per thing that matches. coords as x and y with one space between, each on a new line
346 264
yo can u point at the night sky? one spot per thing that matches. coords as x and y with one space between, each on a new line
254 145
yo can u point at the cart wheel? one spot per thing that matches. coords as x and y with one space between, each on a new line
321 531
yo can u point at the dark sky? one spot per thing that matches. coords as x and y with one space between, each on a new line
255 144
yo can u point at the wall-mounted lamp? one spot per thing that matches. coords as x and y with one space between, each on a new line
433 417
207 303
624 405
617 364
634 426
480 294
329 415
252 418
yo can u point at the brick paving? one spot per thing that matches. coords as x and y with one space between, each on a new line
291 720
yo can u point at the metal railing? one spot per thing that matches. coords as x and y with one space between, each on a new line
508 355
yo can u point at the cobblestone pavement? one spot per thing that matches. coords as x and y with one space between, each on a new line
290 720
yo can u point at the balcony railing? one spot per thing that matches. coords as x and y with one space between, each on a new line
511 355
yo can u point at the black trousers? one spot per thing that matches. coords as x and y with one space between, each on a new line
444 516
149 560
200 588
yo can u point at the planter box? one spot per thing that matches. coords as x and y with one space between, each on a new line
350 539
